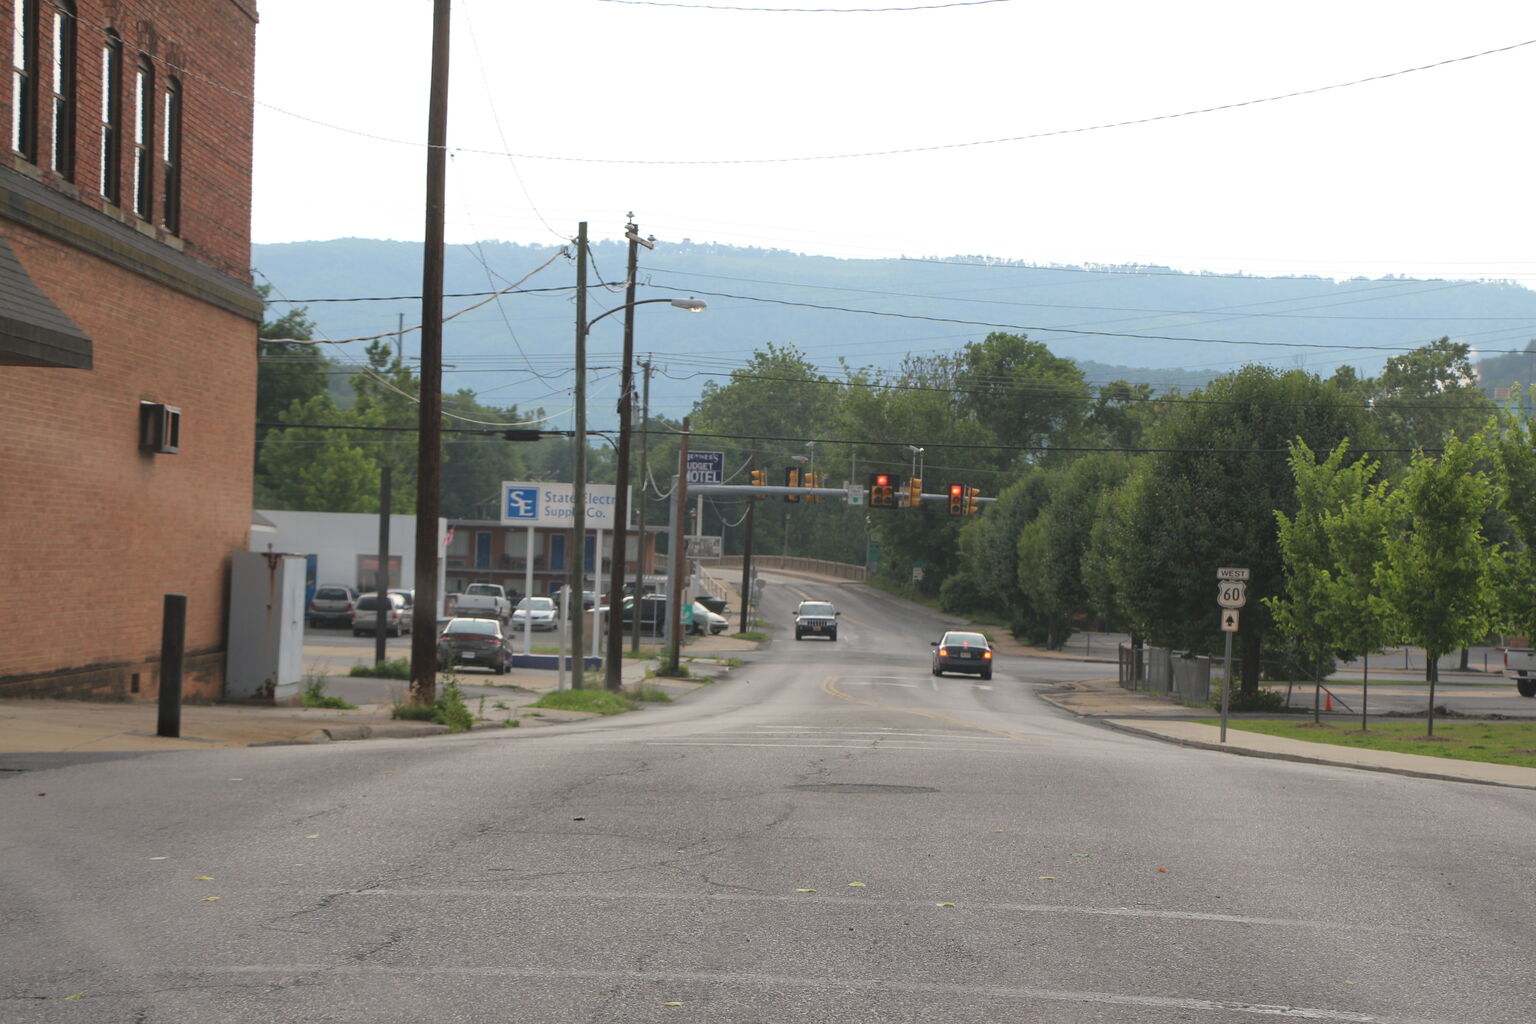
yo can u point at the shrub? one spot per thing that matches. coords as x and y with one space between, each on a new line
399 668
650 694
449 709
314 695
1259 700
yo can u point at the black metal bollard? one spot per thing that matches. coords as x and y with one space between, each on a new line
173 637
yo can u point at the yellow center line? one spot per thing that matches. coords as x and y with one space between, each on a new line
829 686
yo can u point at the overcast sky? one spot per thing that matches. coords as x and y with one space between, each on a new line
1425 174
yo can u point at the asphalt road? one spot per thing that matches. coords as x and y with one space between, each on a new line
830 835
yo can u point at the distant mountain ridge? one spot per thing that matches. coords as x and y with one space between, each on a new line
872 312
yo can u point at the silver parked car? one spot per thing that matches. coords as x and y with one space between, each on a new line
365 615
332 605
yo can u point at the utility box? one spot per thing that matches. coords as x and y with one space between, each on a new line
265 663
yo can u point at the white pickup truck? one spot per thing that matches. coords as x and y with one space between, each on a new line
1520 665
484 601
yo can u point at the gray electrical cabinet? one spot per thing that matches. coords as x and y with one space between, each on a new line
265 662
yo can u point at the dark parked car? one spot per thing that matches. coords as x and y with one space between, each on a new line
962 652
466 642
653 614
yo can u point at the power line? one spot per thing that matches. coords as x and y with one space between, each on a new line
938 147
1040 328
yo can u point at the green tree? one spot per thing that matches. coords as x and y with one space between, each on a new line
1357 534
287 371
1426 395
1317 607
1513 440
1439 576
1051 549
314 469
1208 500
1024 395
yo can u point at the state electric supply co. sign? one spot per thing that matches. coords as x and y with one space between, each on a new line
525 503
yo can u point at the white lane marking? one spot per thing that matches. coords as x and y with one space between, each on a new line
826 746
868 902
779 983
878 682
883 732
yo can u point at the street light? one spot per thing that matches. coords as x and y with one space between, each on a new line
916 461
613 658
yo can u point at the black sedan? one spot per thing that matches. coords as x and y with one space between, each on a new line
466 642
962 652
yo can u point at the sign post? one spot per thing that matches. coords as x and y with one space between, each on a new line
1231 594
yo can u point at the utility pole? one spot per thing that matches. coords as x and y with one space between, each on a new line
579 474
613 665
746 550
645 450
678 553
429 435
381 578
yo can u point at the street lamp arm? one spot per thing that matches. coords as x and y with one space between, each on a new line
691 305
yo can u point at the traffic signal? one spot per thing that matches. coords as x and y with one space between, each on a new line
882 490
792 479
914 492
972 506
957 499
759 479
812 480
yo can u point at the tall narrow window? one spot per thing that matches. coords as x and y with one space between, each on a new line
170 155
64 79
144 139
112 118
24 80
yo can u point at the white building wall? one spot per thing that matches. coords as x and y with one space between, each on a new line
338 539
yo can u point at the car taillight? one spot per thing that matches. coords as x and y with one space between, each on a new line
943 652
986 654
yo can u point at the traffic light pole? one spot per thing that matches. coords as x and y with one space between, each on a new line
746 552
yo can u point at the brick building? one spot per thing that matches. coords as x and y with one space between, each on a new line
490 551
127 336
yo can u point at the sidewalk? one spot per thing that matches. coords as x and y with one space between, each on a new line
1145 714
86 727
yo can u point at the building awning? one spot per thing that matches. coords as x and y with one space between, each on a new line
34 331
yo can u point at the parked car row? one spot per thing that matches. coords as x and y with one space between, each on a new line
336 604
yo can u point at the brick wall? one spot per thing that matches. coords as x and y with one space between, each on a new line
94 531
209 46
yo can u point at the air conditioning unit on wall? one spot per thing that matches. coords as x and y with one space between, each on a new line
159 428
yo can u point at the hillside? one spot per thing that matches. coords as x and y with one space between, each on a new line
1139 323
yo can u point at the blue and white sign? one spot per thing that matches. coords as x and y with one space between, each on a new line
525 503
706 468
522 504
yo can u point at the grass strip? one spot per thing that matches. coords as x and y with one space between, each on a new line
1493 742
604 702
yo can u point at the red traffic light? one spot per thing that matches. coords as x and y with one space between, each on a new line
957 490
882 480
